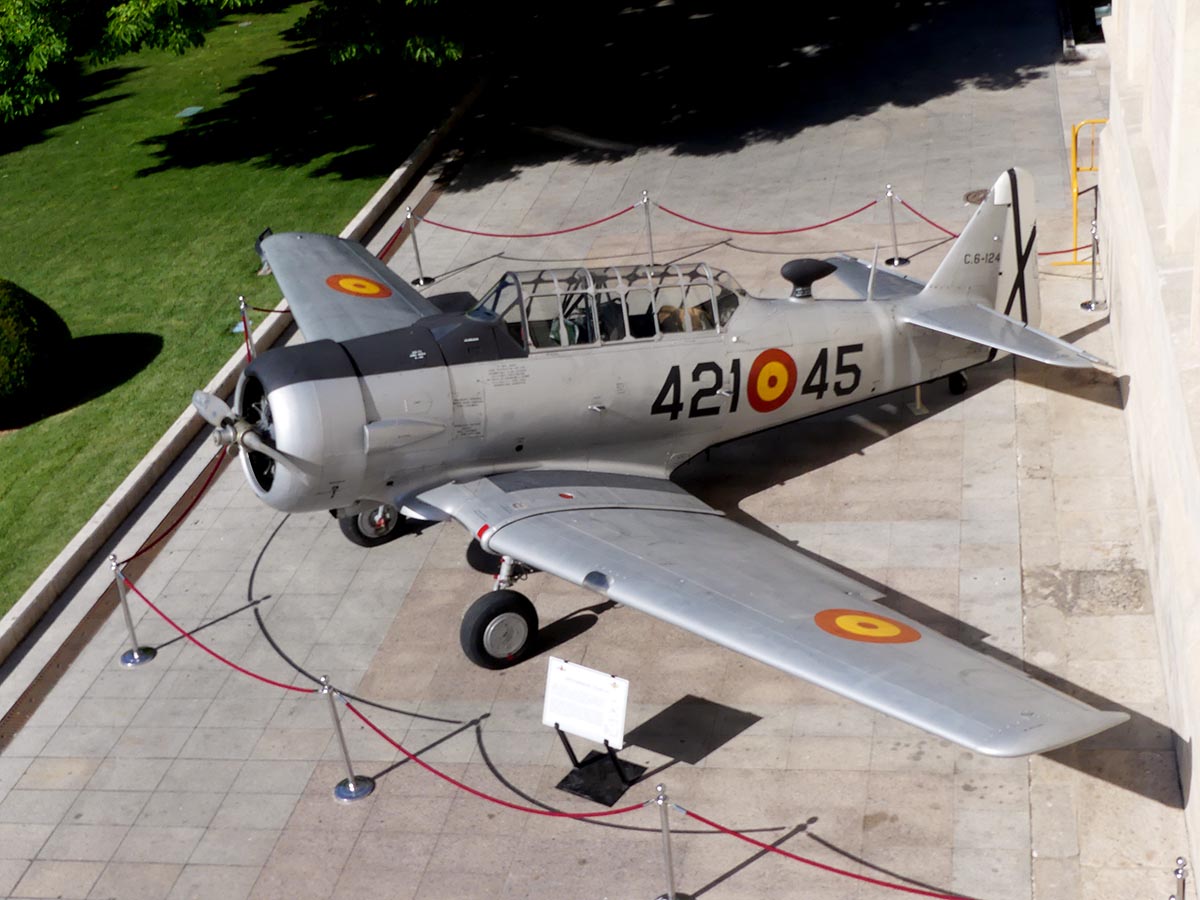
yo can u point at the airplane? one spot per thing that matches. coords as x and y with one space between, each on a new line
547 416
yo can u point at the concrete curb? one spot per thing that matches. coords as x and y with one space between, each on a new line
57 577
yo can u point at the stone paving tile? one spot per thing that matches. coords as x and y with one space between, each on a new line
135 881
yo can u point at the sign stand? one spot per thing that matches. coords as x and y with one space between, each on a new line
602 784
591 705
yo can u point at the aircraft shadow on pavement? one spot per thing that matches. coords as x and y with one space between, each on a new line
109 359
1132 756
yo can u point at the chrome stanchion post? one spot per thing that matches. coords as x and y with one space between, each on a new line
353 786
668 864
896 259
1094 305
136 655
1181 874
410 222
649 231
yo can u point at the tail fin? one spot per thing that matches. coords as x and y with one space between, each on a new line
994 261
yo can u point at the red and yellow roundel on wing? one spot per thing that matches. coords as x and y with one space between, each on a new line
772 380
358 286
855 625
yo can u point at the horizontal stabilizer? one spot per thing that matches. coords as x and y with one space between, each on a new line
992 329
856 273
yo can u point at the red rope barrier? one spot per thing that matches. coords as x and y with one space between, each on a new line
246 335
925 219
812 862
382 254
1068 250
214 653
607 218
678 215
478 793
216 465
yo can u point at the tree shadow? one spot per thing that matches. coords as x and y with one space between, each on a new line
82 94
358 121
94 365
699 78
714 77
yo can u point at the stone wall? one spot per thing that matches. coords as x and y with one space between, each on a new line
1150 195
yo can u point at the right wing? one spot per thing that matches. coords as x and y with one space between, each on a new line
337 290
649 544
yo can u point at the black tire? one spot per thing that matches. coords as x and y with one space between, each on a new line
958 383
366 530
498 629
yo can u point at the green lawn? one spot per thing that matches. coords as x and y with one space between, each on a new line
138 228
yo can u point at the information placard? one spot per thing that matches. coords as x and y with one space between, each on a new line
586 703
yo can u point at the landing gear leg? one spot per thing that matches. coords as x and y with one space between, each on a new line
958 383
374 527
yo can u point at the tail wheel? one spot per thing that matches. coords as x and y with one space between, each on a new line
498 629
374 527
958 383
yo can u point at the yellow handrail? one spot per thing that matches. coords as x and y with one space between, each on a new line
1075 170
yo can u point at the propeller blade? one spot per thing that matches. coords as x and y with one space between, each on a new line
251 440
212 409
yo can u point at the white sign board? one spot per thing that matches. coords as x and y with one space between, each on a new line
586 703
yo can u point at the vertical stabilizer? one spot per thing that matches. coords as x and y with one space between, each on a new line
994 260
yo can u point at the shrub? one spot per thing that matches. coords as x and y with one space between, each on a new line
31 333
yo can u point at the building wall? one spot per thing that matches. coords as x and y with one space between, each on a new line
1150 195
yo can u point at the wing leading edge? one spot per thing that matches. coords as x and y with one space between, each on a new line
650 545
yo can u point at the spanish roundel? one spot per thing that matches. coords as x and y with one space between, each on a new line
358 286
772 380
870 628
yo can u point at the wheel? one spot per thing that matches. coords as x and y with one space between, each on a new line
498 629
958 383
373 527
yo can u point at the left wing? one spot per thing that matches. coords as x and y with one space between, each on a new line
336 289
649 544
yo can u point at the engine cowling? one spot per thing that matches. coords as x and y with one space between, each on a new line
306 401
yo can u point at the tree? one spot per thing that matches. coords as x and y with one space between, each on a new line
41 39
423 31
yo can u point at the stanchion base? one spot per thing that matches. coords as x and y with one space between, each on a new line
1094 306
421 282
345 790
897 261
133 658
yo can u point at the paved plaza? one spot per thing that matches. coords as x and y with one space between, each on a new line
1004 517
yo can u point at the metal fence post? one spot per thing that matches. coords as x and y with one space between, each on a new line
411 221
668 864
250 354
1181 874
353 786
135 655
1094 305
649 231
896 259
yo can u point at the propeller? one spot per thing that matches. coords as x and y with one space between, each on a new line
234 430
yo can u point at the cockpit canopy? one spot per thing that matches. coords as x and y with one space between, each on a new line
551 309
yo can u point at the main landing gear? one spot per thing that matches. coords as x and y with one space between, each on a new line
374 527
958 383
500 628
